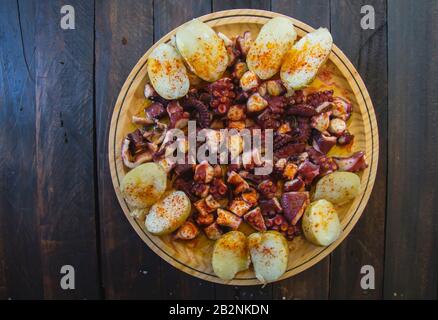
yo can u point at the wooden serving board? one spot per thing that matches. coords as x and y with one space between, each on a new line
194 257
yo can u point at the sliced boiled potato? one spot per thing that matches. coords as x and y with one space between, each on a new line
167 72
269 254
302 62
338 187
168 214
273 41
230 255
202 49
321 224
144 185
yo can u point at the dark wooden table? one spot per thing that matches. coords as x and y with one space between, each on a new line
57 204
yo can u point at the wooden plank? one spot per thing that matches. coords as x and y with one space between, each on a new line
241 4
367 50
315 13
411 262
314 282
242 292
123 33
168 15
64 149
20 262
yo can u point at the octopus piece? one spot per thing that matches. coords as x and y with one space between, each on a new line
337 127
282 139
155 111
270 207
323 142
263 89
251 196
151 94
294 204
302 130
204 220
301 110
141 121
183 169
268 120
200 189
239 207
236 112
238 125
239 70
233 55
222 95
346 138
308 171
204 208
290 170
275 87
137 150
187 231
320 122
181 183
289 150
218 189
177 116
240 185
255 219
157 134
324 107
256 103
204 172
228 219
316 99
326 165
213 231
203 116
354 163
244 42
249 81
341 108
277 105
267 189
296 184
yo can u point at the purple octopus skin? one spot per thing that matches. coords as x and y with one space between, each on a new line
354 163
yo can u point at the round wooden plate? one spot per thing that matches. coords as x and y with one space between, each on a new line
338 73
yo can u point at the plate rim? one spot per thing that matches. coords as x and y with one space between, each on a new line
337 54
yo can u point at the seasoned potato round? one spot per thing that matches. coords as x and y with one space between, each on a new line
267 52
302 62
167 72
168 214
321 224
338 187
230 255
143 185
269 254
202 49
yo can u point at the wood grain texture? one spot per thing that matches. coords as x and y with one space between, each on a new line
367 50
411 260
315 13
236 292
314 282
124 31
241 4
20 255
168 15
64 149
